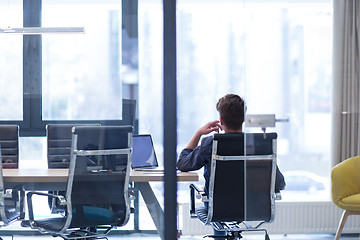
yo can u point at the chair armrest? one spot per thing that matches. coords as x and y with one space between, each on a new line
204 198
278 196
53 204
21 190
131 195
196 188
12 194
22 204
62 202
199 193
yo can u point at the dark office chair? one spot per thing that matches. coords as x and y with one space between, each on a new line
242 183
97 195
9 141
58 138
11 201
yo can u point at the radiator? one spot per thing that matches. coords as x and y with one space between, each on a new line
290 218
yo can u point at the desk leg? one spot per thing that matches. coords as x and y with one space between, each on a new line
153 206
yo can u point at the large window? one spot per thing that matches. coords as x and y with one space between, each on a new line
81 73
61 77
11 87
276 54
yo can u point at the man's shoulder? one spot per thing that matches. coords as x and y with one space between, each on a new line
207 140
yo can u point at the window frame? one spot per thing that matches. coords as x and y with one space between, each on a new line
32 123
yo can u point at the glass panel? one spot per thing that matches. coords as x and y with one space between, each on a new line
11 87
271 53
81 72
265 51
151 89
294 52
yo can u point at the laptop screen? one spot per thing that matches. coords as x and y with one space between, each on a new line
143 155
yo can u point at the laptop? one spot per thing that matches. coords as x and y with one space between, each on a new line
143 155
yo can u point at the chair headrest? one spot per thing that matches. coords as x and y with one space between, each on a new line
233 144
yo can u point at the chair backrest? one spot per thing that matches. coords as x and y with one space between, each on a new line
242 179
345 181
11 203
9 141
97 191
59 144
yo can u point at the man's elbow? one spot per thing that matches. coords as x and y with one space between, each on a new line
181 168
280 186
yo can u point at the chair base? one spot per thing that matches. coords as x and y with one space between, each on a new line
84 234
233 230
233 235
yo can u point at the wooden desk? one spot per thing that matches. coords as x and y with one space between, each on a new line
56 179
47 177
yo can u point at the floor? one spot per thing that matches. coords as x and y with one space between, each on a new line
245 237
15 227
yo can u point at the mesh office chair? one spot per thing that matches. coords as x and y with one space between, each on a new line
9 141
97 195
241 190
11 201
58 138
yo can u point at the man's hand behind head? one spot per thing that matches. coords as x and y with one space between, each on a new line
213 126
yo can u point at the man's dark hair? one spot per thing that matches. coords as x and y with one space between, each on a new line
231 108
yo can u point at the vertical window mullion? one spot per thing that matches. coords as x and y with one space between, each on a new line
31 67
